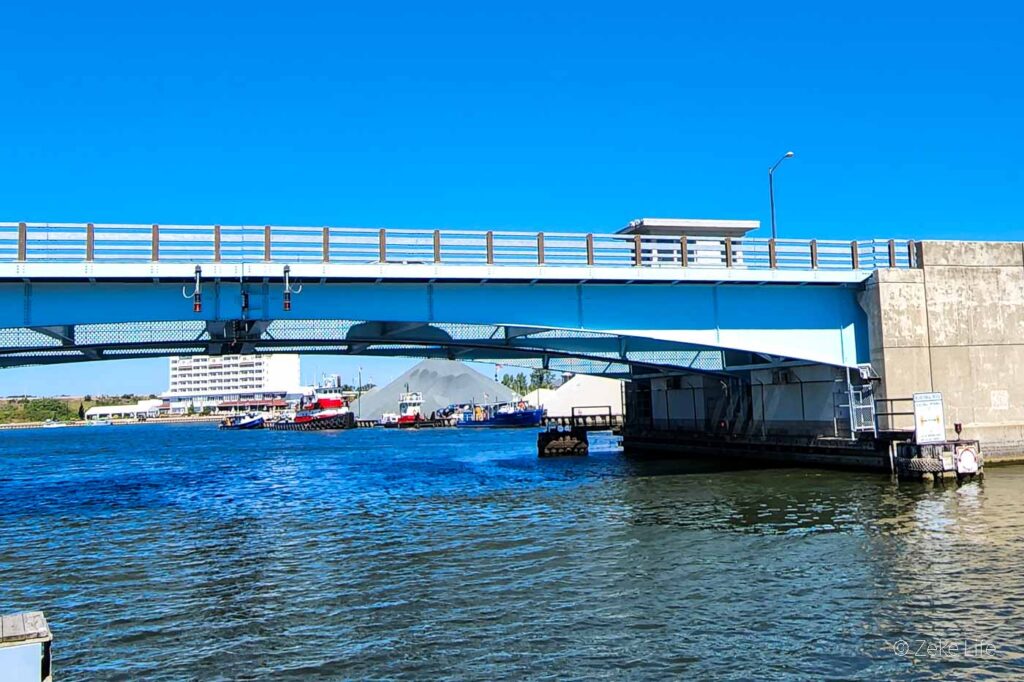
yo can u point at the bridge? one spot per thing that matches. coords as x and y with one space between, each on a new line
610 304
748 338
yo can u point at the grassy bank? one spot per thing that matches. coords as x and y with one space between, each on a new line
19 410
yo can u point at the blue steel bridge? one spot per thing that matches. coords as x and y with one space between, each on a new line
619 305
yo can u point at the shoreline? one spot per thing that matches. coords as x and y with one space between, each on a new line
199 419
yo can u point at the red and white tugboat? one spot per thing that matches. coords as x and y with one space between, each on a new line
328 410
410 410
410 414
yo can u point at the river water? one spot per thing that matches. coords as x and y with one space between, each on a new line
176 552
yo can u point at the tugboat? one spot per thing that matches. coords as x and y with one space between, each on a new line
243 422
327 411
497 415
410 409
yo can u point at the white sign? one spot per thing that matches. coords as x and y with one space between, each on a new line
929 418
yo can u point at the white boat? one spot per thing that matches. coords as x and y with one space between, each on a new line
53 424
98 422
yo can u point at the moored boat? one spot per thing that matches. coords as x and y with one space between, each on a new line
327 411
99 422
54 424
243 422
410 409
497 415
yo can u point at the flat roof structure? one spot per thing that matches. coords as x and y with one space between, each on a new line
691 227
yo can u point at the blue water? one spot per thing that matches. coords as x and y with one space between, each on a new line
164 552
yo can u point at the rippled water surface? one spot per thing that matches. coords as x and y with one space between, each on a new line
177 552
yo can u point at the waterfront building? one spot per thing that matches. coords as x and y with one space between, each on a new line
143 408
232 383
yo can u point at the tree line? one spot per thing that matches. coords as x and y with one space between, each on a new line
539 378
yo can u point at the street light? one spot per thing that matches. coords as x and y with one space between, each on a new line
771 187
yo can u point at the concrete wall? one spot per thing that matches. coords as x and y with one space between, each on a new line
955 326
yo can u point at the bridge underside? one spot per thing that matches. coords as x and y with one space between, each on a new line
563 350
602 328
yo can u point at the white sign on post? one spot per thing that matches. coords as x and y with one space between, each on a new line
929 418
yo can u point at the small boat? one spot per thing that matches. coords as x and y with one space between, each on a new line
389 420
54 424
99 422
497 415
243 422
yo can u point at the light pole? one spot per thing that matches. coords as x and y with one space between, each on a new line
771 187
359 393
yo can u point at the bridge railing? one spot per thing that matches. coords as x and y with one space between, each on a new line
111 243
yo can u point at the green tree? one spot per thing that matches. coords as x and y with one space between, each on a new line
81 411
541 378
517 383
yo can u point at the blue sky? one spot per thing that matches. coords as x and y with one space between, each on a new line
905 121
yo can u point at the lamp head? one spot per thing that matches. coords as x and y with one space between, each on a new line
789 154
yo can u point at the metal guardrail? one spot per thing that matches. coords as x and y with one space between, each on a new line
117 243
890 412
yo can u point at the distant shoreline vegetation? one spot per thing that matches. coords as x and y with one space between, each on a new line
20 410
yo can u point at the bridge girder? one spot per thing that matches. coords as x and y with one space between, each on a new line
817 323
570 350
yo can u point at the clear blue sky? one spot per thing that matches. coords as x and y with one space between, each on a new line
905 122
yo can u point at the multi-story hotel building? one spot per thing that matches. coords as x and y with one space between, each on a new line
232 382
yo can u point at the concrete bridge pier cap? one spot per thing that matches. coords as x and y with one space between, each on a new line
954 325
